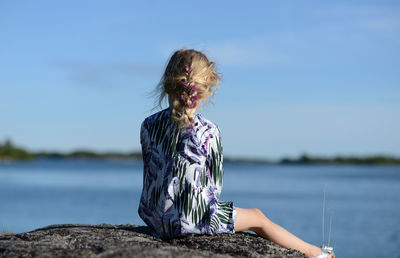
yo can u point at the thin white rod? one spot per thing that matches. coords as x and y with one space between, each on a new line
330 230
323 217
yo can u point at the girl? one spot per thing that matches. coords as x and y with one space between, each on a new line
183 171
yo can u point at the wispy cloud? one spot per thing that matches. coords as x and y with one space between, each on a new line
383 24
257 50
247 52
105 75
368 16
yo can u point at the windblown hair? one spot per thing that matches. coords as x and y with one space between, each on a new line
187 67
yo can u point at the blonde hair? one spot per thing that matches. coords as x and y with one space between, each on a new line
187 67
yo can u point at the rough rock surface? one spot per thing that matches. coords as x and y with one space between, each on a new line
75 240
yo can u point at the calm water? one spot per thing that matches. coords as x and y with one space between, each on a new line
363 200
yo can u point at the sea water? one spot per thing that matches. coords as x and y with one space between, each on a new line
363 201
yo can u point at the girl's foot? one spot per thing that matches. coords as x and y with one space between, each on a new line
326 252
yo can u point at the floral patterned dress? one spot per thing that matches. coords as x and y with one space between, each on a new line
182 178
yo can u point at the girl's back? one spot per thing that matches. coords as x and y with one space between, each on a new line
182 178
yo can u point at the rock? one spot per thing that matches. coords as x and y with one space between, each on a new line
80 240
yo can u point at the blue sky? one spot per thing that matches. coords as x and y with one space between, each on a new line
320 77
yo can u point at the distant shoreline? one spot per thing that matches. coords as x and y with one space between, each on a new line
11 153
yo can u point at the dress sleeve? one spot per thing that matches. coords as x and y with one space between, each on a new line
215 160
223 216
143 135
145 144
145 141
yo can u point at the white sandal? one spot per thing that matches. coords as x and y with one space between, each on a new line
325 250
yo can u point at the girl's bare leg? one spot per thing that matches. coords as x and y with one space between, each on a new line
254 220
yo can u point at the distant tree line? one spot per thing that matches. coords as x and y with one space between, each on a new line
377 159
9 152
306 159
